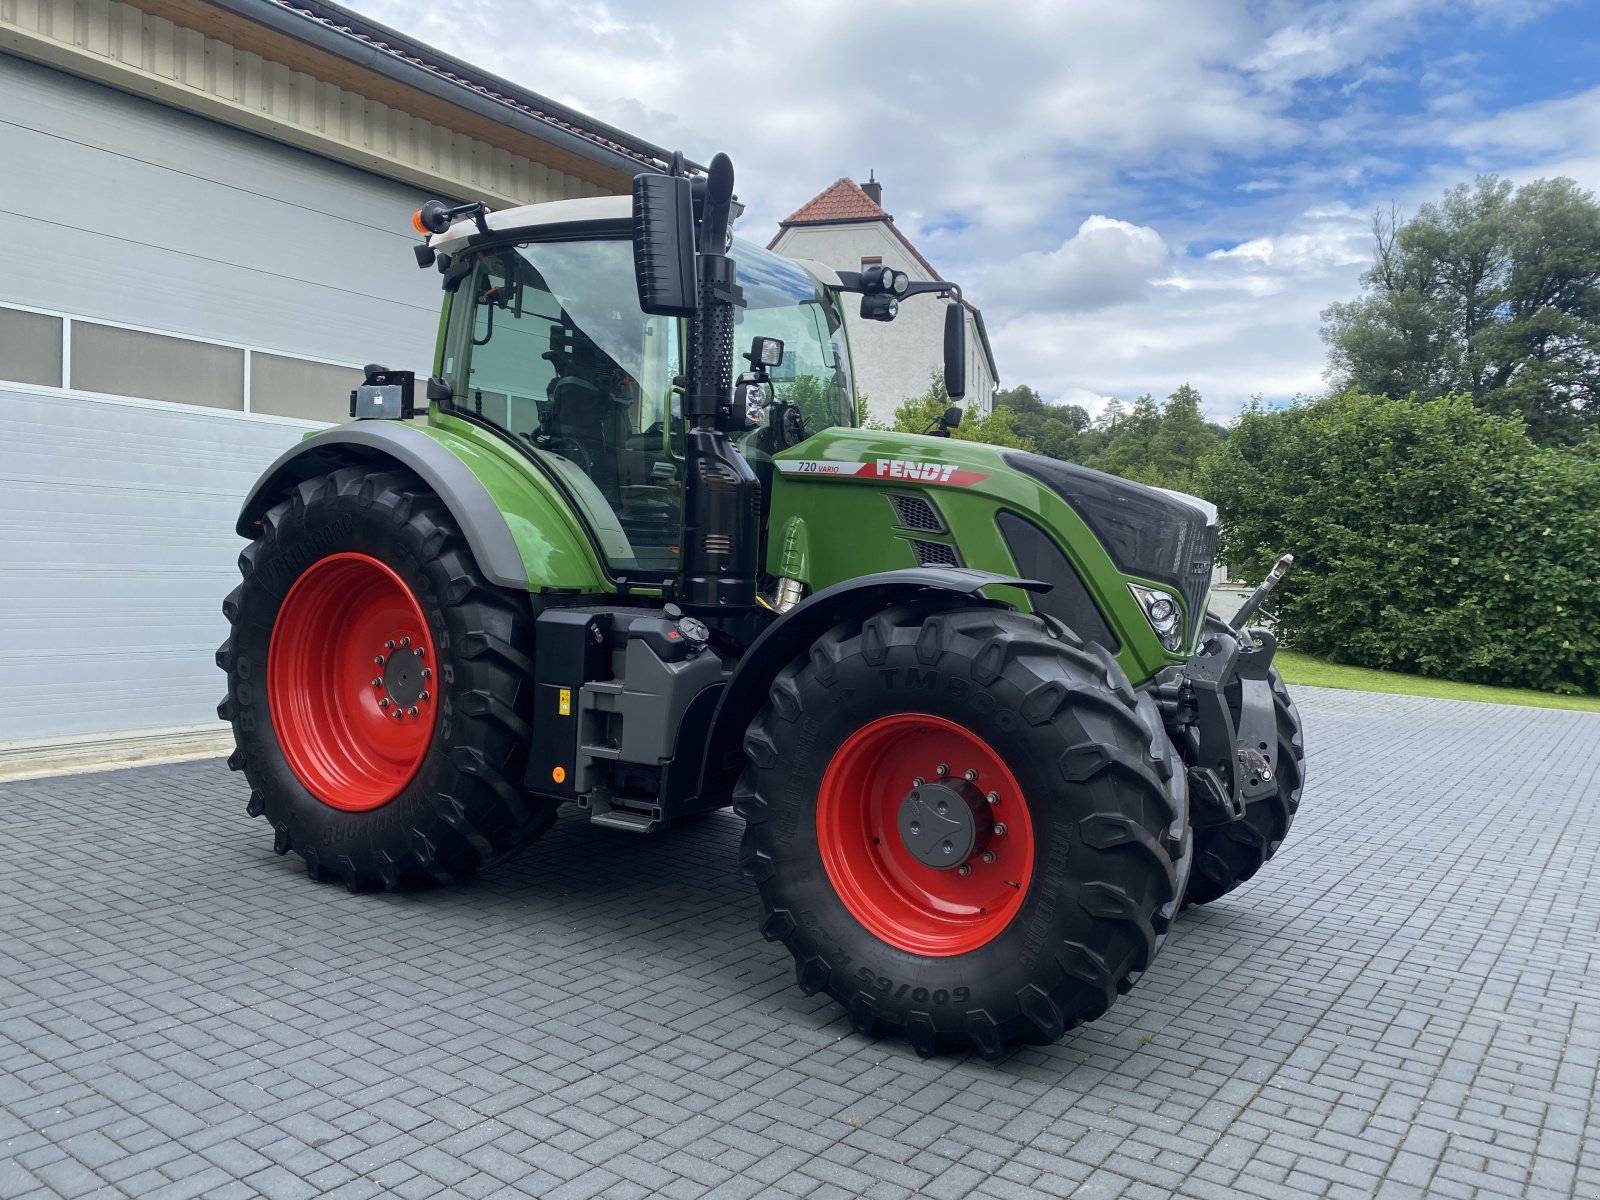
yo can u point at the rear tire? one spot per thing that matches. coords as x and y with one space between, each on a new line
1225 856
1089 787
353 567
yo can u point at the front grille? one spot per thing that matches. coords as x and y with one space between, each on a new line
915 512
935 554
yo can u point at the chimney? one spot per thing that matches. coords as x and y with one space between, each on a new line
873 189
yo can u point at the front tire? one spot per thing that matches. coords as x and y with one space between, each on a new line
1060 910
379 688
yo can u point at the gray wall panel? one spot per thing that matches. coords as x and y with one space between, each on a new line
116 518
126 210
116 549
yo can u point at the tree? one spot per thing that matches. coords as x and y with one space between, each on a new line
1161 444
1183 439
1494 293
1052 428
918 414
1428 536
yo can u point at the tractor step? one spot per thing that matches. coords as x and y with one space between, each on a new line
631 821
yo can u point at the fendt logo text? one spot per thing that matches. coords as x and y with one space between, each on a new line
929 472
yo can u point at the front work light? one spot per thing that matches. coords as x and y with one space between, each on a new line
1163 613
765 352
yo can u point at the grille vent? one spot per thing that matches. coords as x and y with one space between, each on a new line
917 513
935 554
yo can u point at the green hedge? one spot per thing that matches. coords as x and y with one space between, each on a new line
1428 537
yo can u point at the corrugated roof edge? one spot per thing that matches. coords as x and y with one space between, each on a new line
447 77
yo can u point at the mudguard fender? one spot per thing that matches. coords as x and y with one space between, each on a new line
446 475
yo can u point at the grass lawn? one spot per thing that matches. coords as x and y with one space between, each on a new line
1302 668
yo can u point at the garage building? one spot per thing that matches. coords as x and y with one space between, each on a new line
208 205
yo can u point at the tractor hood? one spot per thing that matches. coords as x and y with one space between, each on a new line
1154 533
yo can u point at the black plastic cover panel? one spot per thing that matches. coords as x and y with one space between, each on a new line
1147 532
1068 600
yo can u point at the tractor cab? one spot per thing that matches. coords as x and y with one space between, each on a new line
545 342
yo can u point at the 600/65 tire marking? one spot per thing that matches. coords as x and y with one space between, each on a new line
918 995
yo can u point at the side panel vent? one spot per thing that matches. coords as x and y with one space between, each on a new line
935 554
916 512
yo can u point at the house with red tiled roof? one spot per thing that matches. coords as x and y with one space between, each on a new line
846 227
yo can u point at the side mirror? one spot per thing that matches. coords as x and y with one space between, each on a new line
952 416
955 350
663 245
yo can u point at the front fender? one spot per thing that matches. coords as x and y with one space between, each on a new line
519 532
791 635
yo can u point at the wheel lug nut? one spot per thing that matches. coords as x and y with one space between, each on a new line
389 645
424 695
993 797
943 809
948 848
398 715
988 856
405 641
377 682
971 775
412 711
918 781
943 769
379 660
1000 829
426 674
916 827
964 870
383 702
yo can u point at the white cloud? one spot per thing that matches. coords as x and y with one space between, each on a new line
1232 322
1105 262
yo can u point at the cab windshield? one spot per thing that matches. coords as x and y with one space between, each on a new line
547 344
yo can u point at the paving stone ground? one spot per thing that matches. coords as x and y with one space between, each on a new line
1406 1002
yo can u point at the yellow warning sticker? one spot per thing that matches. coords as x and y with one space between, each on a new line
565 706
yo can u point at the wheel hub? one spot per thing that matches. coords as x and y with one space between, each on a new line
405 679
944 823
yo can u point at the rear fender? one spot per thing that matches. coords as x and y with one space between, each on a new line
520 535
791 635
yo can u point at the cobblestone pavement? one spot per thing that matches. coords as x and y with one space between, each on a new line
1406 1002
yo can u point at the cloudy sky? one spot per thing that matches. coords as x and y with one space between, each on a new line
1138 194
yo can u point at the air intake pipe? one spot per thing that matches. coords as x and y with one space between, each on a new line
722 504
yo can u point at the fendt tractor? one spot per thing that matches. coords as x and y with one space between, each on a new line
984 736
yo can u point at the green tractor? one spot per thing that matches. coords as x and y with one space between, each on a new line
984 736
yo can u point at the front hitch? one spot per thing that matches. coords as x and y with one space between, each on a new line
1231 725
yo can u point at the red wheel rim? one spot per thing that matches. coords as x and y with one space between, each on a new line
910 905
349 650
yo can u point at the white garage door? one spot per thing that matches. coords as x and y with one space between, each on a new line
179 303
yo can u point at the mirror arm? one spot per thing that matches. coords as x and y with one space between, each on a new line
852 281
935 288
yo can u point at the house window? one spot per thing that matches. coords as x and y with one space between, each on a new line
30 348
871 260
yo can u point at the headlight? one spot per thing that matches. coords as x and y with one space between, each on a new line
1162 613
